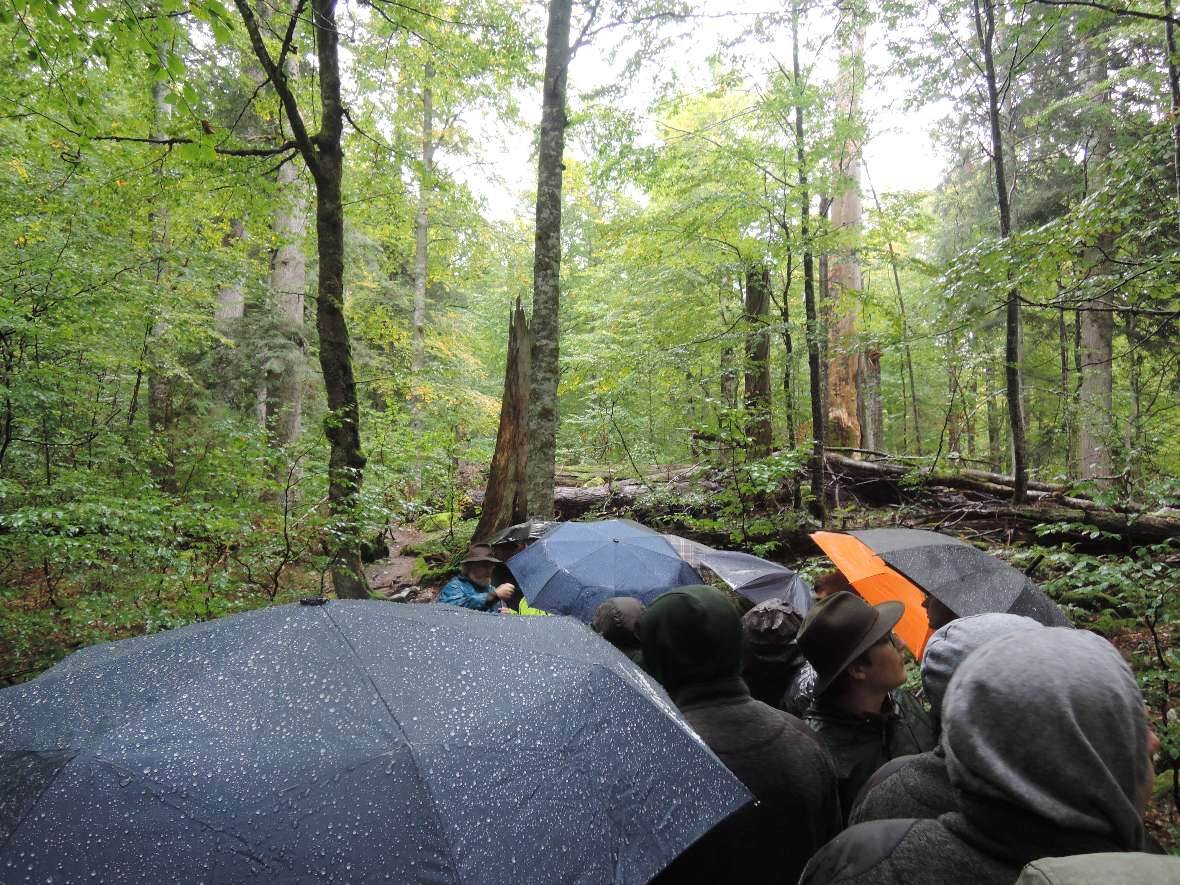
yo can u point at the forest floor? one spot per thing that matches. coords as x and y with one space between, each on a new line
396 572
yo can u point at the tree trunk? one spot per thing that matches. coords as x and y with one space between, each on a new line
844 276
346 464
872 418
283 401
160 413
788 362
954 416
231 296
1174 91
505 499
985 30
969 412
324 156
1065 391
545 326
757 370
422 243
817 411
1134 434
995 442
1096 316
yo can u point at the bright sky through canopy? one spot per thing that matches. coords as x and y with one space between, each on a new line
900 154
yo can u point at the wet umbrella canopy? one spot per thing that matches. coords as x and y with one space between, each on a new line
351 742
965 579
753 577
577 566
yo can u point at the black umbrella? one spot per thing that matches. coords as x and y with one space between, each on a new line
352 742
965 579
522 532
577 566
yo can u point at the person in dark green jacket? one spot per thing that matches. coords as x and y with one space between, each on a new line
692 645
859 713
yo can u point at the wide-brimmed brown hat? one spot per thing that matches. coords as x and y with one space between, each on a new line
839 629
480 553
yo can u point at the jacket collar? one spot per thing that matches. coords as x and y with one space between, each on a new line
1005 831
824 708
728 689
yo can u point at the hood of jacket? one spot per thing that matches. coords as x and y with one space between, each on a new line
617 621
950 645
1049 726
691 635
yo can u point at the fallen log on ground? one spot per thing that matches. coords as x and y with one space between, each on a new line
873 493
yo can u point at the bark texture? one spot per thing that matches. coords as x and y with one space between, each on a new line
757 374
844 277
231 296
1174 91
872 417
288 285
505 499
1095 419
545 326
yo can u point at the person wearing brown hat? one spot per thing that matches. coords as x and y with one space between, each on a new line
859 712
472 588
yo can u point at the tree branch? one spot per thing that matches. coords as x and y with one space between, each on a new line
224 151
1113 10
289 37
278 77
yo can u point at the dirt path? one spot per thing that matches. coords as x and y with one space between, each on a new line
392 575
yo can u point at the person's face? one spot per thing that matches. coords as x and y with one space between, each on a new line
480 573
887 665
936 613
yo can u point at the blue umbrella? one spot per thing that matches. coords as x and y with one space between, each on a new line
577 566
352 742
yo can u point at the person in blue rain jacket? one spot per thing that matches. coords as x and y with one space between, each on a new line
472 587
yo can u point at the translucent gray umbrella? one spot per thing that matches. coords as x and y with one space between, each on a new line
752 576
352 742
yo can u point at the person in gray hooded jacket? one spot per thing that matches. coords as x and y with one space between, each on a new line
1047 748
918 786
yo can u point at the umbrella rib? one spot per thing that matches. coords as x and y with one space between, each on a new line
24 817
189 815
409 744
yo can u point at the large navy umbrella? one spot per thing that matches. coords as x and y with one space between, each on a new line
576 566
352 742
965 579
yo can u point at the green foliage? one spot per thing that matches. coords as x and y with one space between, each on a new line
1134 600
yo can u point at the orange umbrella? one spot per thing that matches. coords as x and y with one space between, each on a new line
877 582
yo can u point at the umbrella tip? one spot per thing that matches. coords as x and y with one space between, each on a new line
313 600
